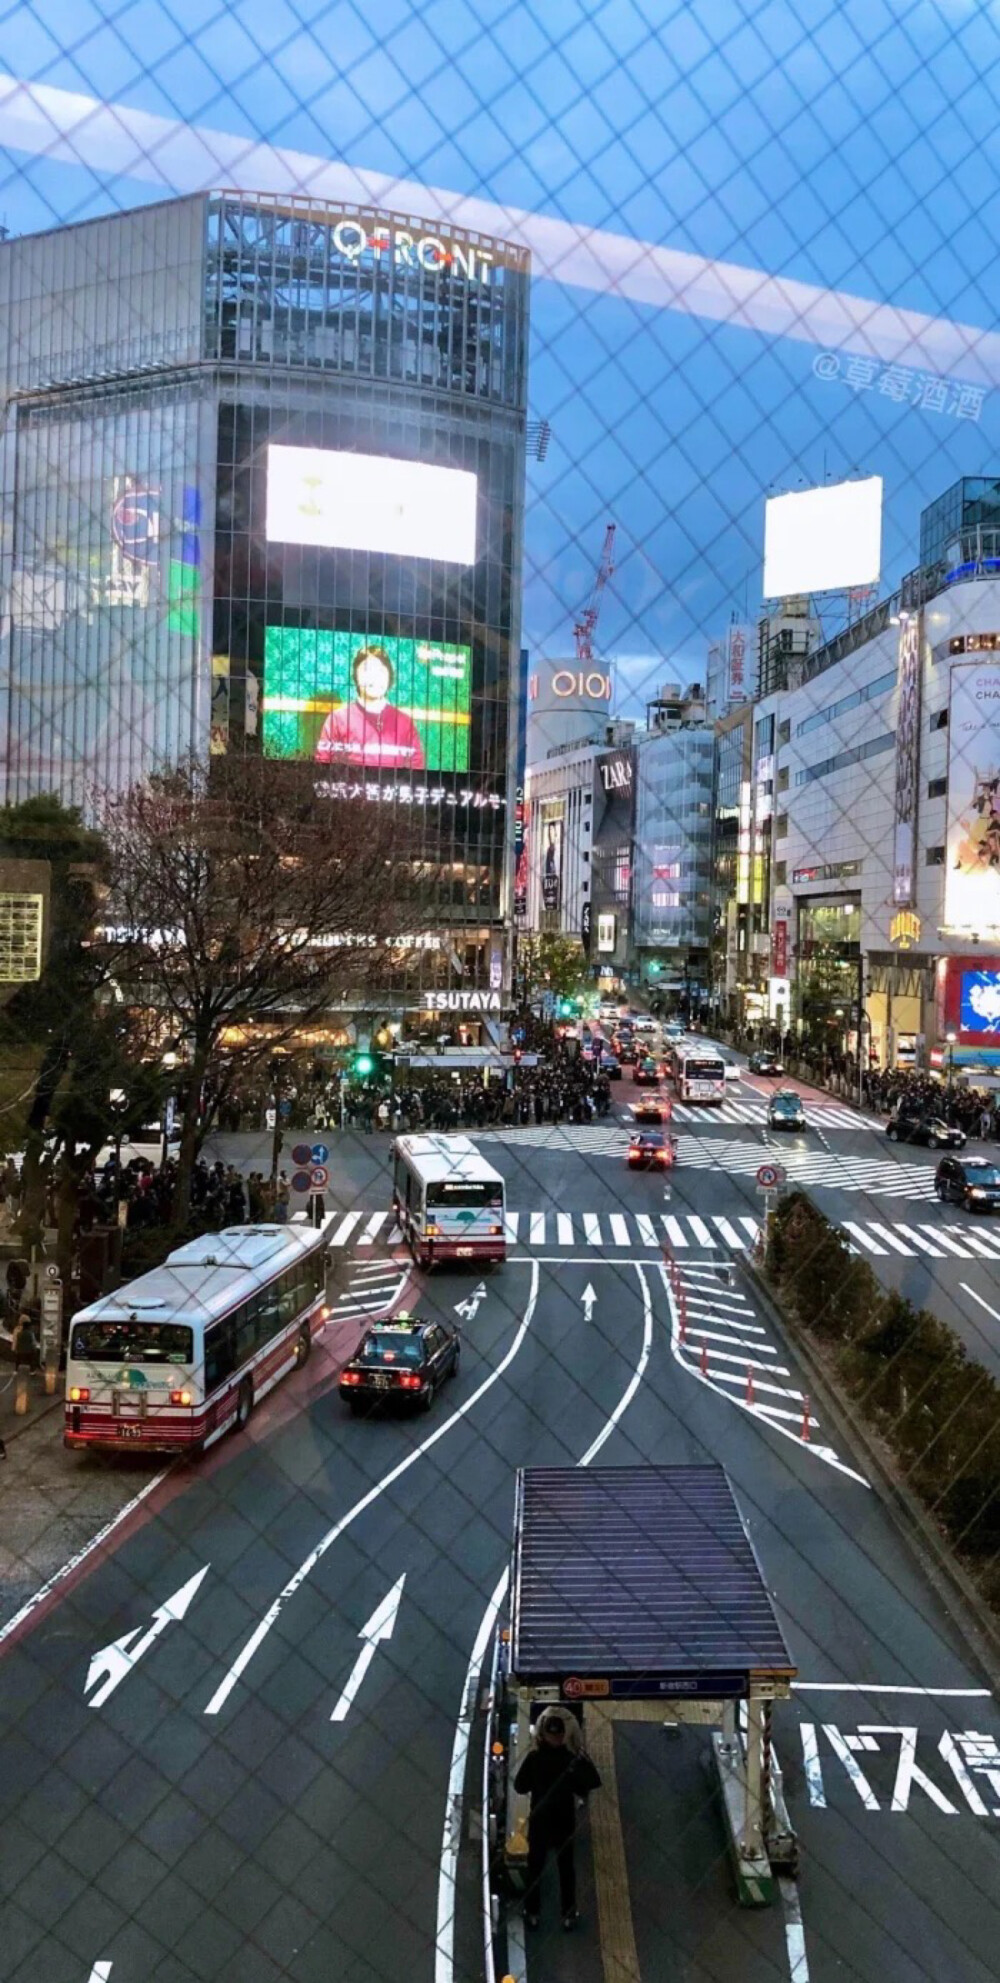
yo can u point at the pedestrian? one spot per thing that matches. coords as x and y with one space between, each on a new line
554 1773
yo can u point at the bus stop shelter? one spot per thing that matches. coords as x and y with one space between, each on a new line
640 1585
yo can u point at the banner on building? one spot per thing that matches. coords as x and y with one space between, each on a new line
520 858
972 857
739 670
585 928
907 759
552 857
779 949
607 932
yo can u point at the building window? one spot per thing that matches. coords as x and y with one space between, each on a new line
874 748
936 788
783 779
785 731
781 873
939 721
781 828
846 703
20 939
934 857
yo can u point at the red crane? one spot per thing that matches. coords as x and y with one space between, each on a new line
583 631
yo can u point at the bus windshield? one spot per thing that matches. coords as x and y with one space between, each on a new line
704 1070
129 1341
465 1191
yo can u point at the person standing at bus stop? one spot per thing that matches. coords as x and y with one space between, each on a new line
554 1773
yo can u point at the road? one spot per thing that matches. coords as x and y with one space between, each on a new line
219 1813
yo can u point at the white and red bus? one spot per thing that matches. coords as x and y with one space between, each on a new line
698 1074
448 1201
177 1357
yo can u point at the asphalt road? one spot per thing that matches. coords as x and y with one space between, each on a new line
209 1817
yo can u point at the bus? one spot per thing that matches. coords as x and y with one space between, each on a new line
698 1074
174 1359
448 1201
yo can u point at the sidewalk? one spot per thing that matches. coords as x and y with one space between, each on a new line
12 1423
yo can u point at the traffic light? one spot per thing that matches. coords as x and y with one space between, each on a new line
569 1008
654 968
363 1065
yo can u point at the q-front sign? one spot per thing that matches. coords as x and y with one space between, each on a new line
462 1001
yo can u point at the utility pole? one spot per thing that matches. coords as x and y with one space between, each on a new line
862 1015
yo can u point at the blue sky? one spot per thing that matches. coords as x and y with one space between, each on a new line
843 143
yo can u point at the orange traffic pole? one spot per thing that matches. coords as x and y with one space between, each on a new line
749 1383
704 1359
805 1419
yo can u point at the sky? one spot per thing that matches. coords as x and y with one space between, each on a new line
784 207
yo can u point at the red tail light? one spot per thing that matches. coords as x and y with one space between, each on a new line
181 1398
79 1394
350 1376
409 1380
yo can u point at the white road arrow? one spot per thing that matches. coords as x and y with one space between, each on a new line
467 1308
114 1663
588 1299
381 1625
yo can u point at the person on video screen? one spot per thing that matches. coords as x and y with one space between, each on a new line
371 730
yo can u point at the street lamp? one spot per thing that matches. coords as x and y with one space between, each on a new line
950 1038
168 1062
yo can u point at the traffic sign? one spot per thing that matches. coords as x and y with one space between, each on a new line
303 1155
301 1181
319 1177
770 1176
320 1153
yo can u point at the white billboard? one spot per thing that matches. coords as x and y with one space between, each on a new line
370 502
823 540
972 859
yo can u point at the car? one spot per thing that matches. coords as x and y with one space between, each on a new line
610 1065
652 1108
785 1111
764 1063
403 1360
733 1072
970 1181
649 1149
930 1129
647 1072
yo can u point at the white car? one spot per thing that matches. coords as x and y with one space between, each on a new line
732 1071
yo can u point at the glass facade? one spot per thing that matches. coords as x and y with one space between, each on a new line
972 502
671 903
156 604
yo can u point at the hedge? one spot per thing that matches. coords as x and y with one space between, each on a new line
936 1409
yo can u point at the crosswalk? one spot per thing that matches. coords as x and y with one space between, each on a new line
621 1231
598 1137
888 1177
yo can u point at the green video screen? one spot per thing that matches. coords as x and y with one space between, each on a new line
366 702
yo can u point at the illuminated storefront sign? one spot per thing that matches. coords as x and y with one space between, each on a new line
462 1001
904 929
907 760
779 949
972 861
606 933
615 773
591 683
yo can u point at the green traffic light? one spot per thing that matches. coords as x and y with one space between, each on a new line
363 1064
654 969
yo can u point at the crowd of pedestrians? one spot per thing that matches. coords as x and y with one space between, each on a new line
557 1090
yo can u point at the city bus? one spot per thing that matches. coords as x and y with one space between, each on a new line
174 1359
699 1074
448 1201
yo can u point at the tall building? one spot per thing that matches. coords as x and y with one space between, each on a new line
672 876
263 485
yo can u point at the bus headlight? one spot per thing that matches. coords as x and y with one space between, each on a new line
432 1231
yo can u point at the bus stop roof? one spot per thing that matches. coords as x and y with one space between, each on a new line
640 1582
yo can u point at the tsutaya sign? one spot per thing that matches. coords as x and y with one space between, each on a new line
462 1001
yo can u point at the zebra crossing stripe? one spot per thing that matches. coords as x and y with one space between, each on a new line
884 1233
923 1245
751 1228
700 1230
536 1229
858 1232
564 1229
510 1220
647 1230
592 1229
951 1245
740 1377
619 1229
372 1229
345 1228
735 1342
986 1248
726 1356
675 1232
731 1237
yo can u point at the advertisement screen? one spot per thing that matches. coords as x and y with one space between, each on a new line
823 540
370 502
972 884
979 1005
379 704
552 845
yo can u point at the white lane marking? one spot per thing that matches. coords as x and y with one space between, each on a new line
858 1232
444 1943
647 1230
619 1230
365 1270
751 1227
772 1414
380 1626
795 1937
878 1687
923 1245
845 1755
699 1228
444 1947
115 1662
564 1229
536 1229
636 1378
980 1246
675 1231
744 1361
510 1220
81 1555
735 1342
260 1632
100 1972
964 1285
740 1376
890 1238
373 1228
952 1245
729 1233
588 1299
592 1229
345 1229
812 1765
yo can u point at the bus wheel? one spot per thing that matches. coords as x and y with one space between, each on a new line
244 1405
303 1347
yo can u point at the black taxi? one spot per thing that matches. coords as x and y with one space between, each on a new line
402 1360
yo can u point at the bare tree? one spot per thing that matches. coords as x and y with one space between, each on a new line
235 896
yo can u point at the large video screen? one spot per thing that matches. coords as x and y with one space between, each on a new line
980 1002
366 702
823 540
370 502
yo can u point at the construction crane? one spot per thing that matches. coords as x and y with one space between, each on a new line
583 631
